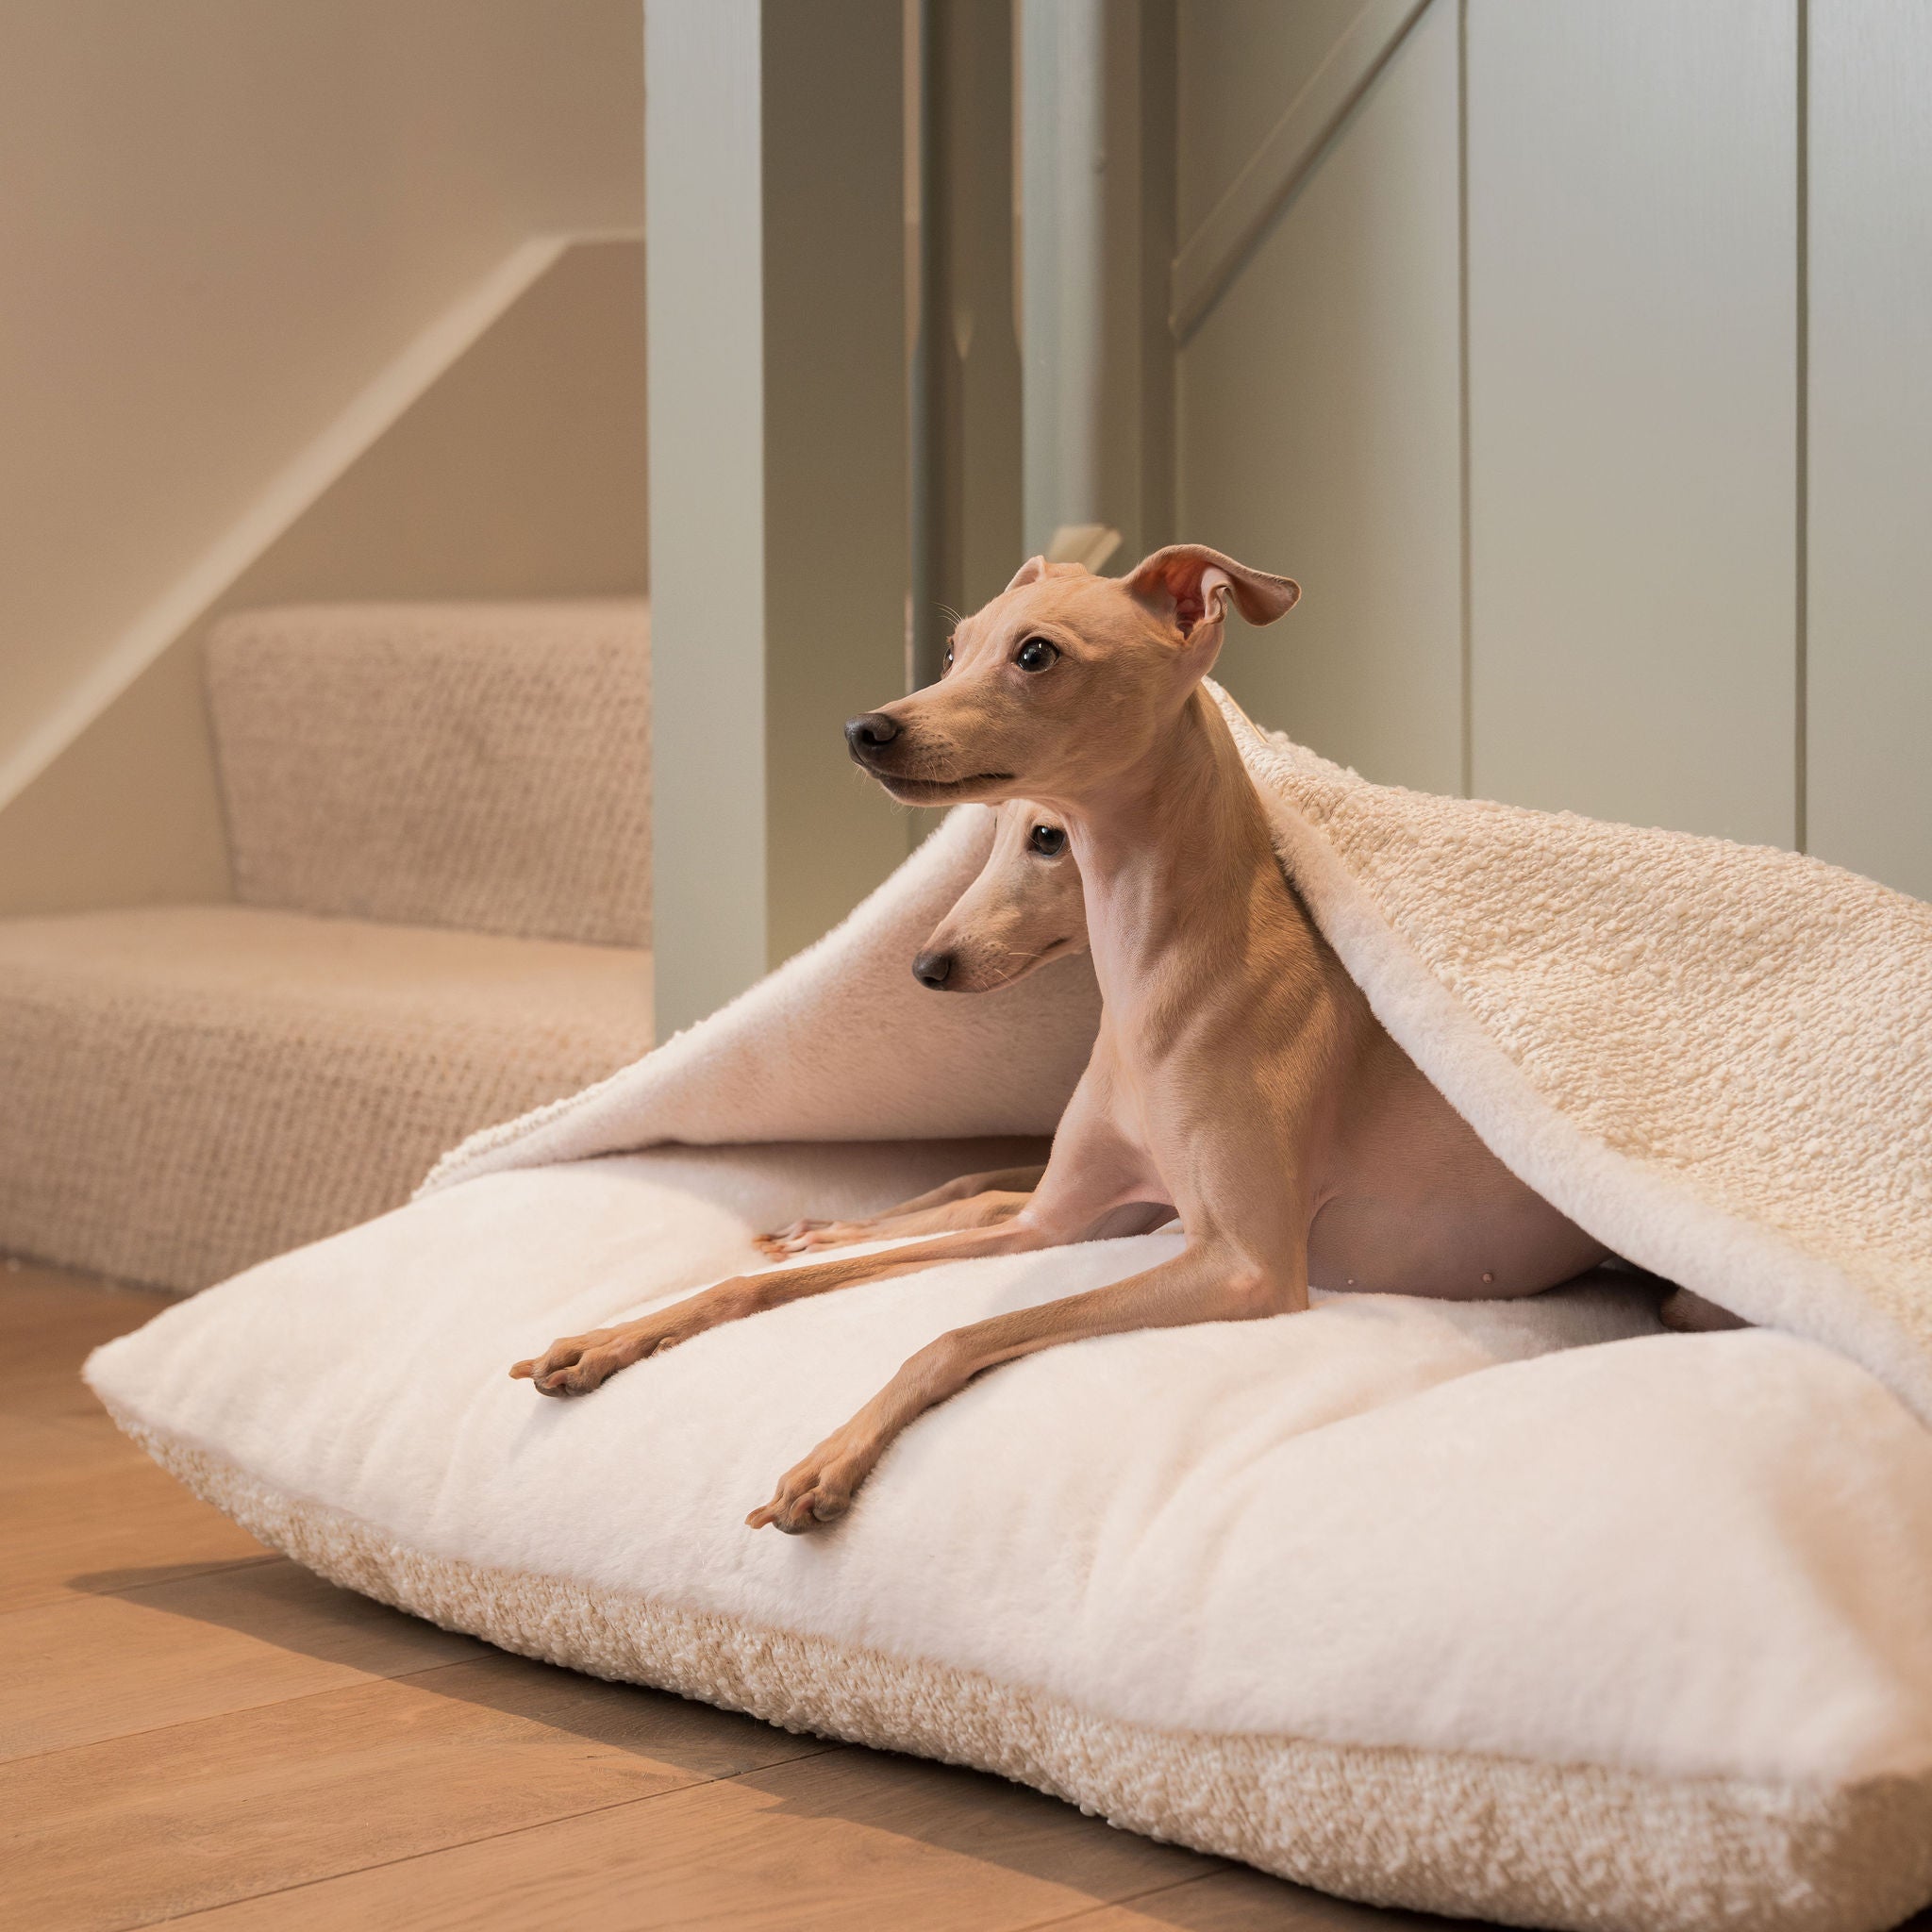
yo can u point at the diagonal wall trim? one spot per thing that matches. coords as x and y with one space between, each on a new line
1213 254
367 416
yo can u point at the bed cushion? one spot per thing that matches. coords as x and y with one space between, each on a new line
1523 1611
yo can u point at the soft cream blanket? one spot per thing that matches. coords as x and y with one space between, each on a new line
1716 1058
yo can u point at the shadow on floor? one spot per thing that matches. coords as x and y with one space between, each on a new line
967 1812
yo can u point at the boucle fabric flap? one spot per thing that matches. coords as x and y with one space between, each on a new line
1519 1611
485 766
1716 1058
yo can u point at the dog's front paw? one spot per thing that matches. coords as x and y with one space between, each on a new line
819 1490
580 1363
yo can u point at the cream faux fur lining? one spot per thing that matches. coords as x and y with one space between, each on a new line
1567 1846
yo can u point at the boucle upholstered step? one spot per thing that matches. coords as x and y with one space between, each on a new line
485 766
188 1090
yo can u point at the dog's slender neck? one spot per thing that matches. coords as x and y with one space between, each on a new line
1175 852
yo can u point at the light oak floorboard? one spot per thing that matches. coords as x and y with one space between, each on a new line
174 1650
1243 1901
76 1501
827 1844
262 1800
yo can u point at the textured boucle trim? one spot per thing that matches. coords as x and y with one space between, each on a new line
1564 1846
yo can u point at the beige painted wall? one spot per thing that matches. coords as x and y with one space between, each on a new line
1516 382
218 218
522 472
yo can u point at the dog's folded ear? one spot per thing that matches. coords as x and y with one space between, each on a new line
1029 572
1182 582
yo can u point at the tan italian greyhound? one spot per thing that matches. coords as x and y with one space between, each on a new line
1237 1073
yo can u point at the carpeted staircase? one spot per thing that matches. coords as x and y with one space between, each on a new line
439 820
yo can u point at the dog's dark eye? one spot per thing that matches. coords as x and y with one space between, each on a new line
946 662
1035 654
1048 841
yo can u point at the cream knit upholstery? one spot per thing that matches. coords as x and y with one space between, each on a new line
476 765
192 1088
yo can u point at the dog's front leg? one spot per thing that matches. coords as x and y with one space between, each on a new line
1210 1281
578 1363
916 1216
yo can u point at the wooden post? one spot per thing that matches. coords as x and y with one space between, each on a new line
778 440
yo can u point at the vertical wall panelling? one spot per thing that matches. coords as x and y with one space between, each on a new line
967 514
1464 613
1319 397
1064 177
1632 366
1870 632
1096 229
1152 217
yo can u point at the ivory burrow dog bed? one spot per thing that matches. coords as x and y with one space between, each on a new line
1525 1611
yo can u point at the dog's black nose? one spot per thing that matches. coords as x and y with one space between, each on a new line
933 969
869 732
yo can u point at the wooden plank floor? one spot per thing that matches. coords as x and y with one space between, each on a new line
194 1730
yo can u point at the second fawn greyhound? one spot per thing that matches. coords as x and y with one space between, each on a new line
1237 1075
1025 908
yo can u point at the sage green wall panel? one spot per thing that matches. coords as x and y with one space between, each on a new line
1633 387
1241 62
1318 429
1870 633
